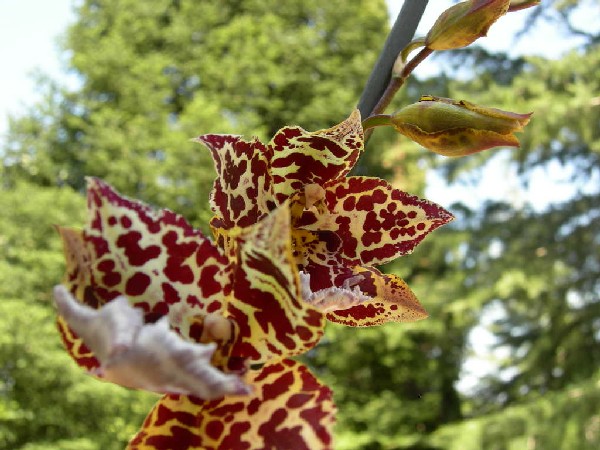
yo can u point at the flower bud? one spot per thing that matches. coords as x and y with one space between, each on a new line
464 23
457 128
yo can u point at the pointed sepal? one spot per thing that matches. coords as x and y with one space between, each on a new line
368 221
300 157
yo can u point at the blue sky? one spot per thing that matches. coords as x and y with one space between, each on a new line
28 36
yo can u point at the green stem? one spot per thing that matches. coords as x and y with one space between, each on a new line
400 36
379 120
414 44
395 84
398 81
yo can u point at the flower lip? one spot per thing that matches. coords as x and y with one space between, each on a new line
145 356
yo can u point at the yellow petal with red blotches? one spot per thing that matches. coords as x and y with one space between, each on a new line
299 157
266 305
383 297
391 300
155 258
242 191
75 347
370 222
78 280
78 262
289 409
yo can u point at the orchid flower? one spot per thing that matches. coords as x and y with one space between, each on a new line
150 303
342 226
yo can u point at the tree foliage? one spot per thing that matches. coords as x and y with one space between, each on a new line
155 74
550 300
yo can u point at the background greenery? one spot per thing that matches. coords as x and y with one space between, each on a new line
155 73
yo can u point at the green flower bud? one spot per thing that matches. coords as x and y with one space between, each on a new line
464 23
457 128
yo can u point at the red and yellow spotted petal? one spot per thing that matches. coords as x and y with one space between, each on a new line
241 193
77 261
290 409
391 301
77 280
266 305
75 347
155 258
372 222
300 157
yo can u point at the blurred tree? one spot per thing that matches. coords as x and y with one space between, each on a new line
44 397
567 419
535 262
538 265
545 272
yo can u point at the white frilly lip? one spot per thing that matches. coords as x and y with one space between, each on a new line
333 298
151 357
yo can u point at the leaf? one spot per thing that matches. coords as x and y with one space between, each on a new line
145 356
289 409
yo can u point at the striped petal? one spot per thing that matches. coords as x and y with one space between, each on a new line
266 306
